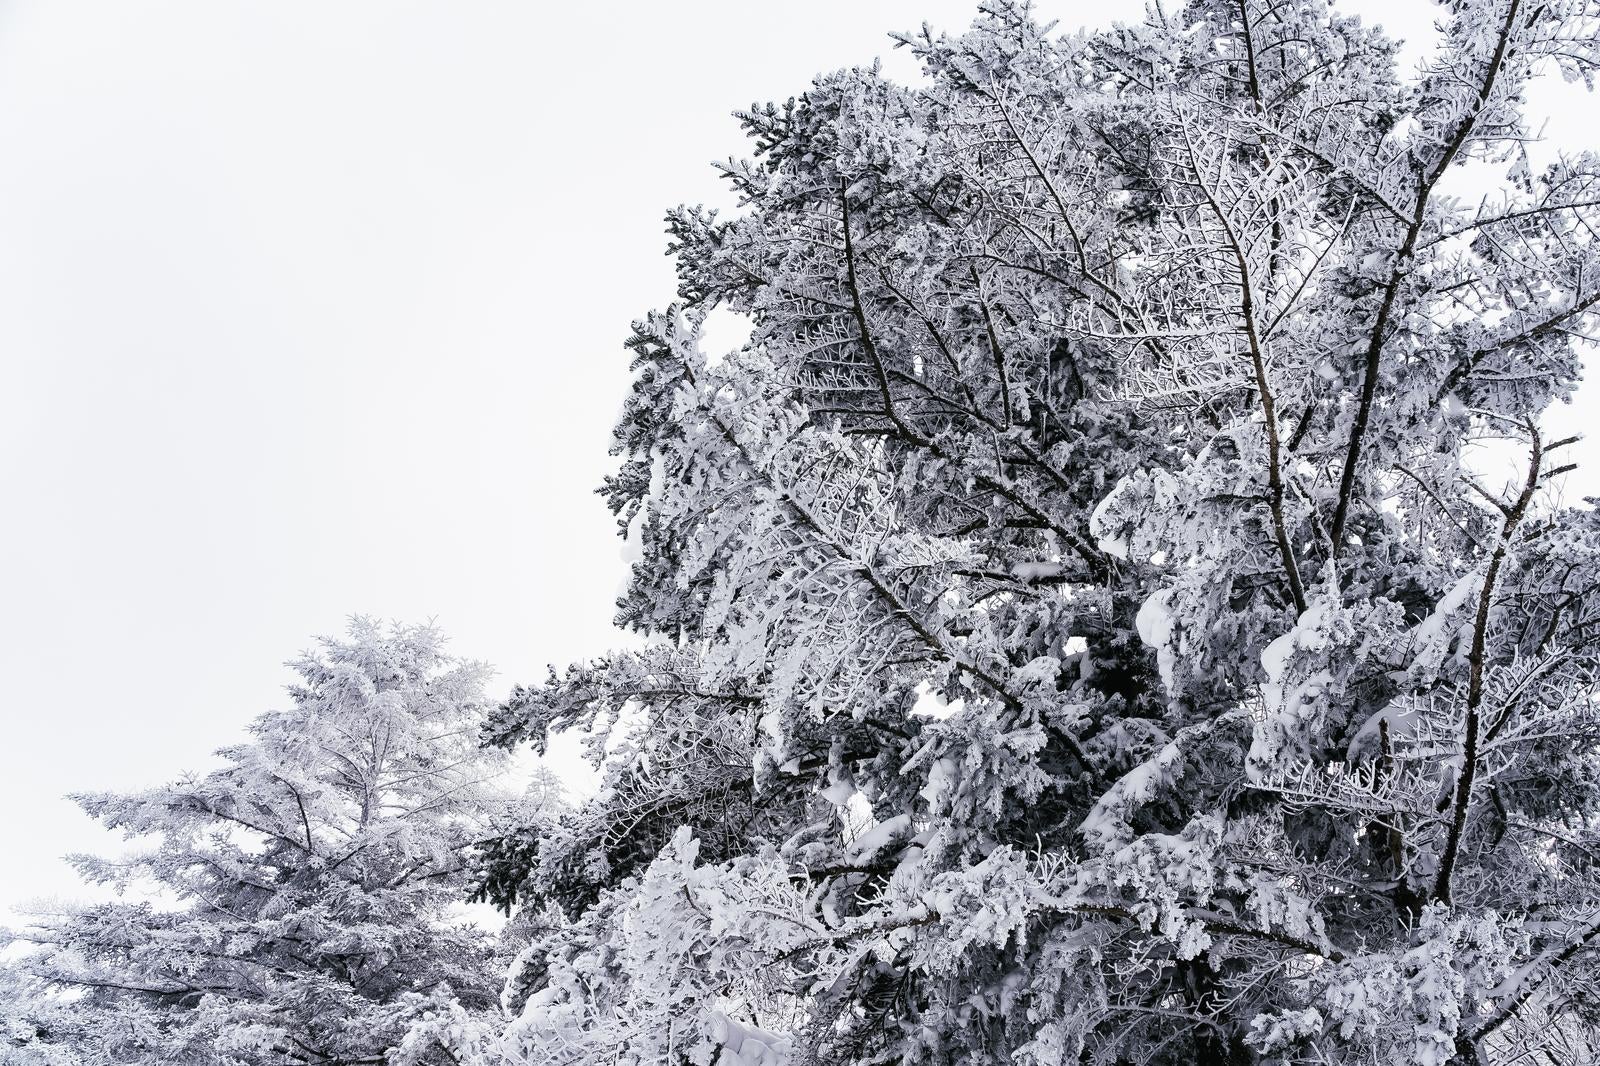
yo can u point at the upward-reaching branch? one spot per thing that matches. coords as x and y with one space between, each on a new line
1258 363
860 314
1515 512
1400 270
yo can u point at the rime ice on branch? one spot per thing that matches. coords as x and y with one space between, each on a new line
1074 634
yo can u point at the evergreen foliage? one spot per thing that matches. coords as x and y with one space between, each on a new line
1074 633
300 897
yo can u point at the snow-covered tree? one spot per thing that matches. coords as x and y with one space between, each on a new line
300 899
32 1024
1075 635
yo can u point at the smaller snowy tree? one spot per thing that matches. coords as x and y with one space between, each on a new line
306 888
32 1023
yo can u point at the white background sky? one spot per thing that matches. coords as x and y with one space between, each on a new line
316 308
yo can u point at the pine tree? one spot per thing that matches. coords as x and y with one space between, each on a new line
302 894
1074 632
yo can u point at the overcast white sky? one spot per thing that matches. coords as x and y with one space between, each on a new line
315 308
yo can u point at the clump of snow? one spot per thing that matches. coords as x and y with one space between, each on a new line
941 778
839 792
1107 539
1430 640
880 836
1156 625
744 1044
